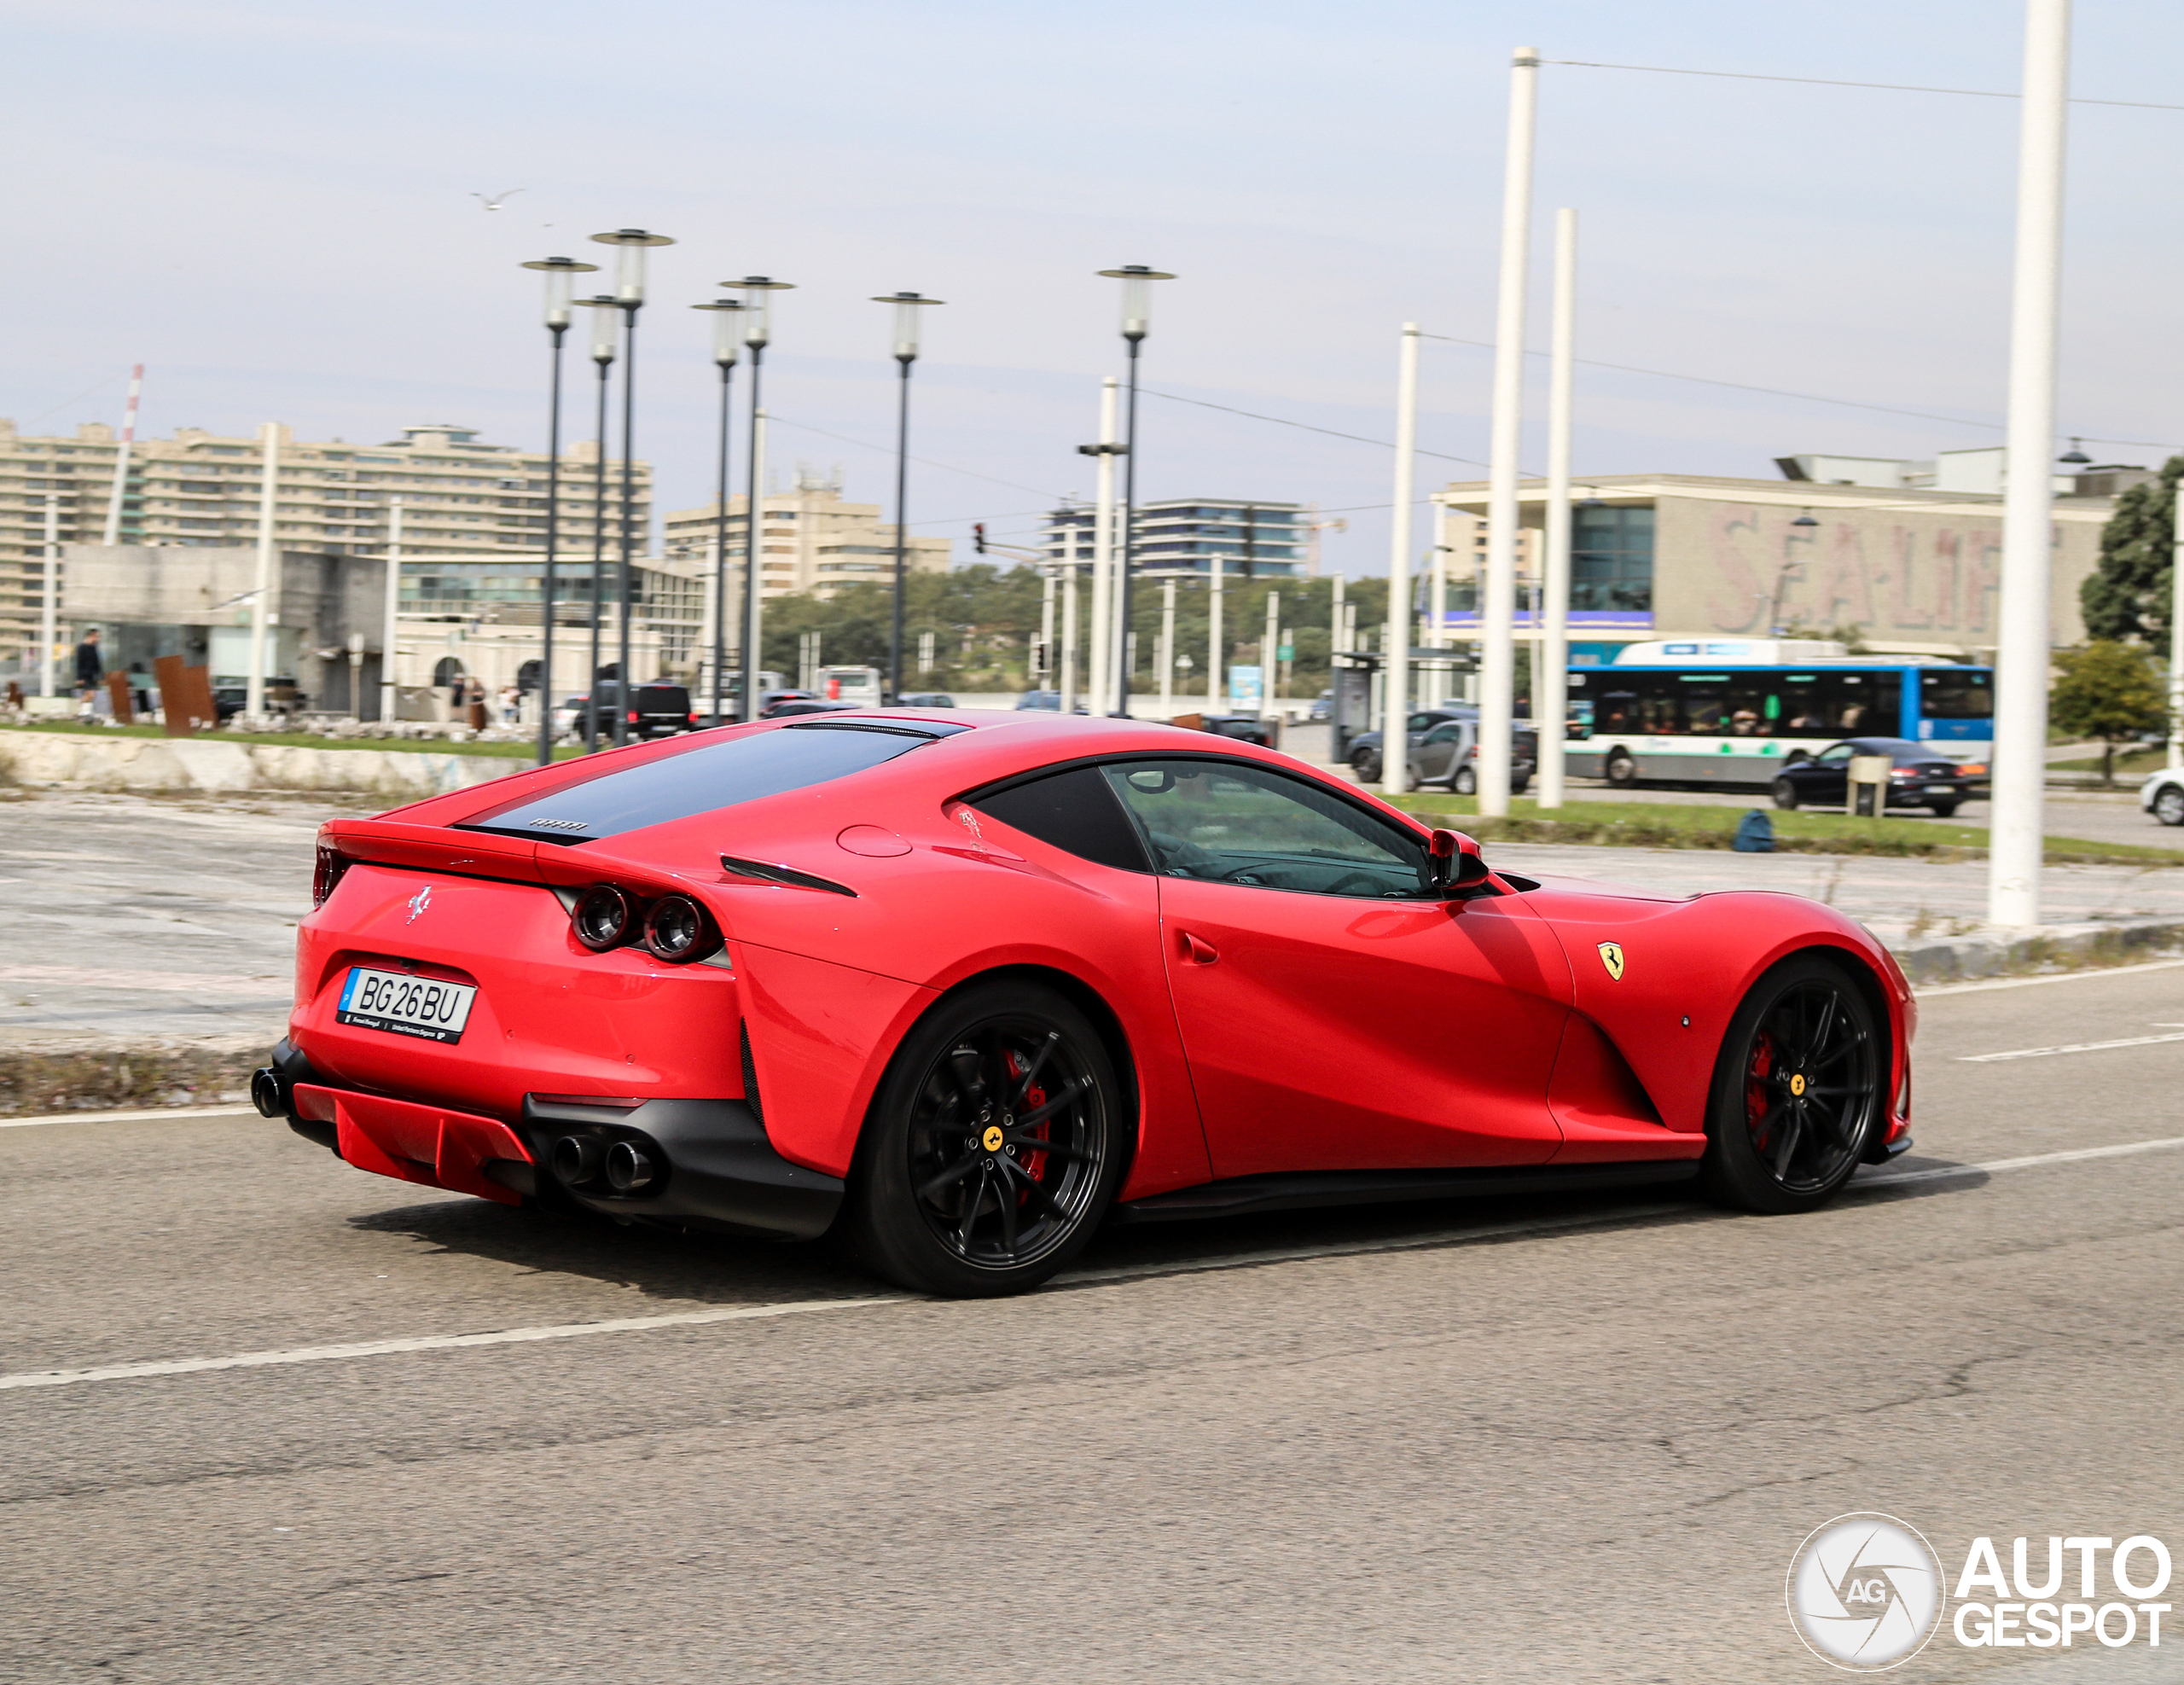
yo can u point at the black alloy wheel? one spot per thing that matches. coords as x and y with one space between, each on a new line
1799 1090
1784 792
1621 770
1465 782
1366 763
2169 805
994 1146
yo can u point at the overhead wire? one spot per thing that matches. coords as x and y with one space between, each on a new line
1839 82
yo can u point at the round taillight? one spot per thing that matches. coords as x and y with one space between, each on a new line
602 918
676 929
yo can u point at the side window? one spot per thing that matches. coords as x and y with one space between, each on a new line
1837 755
1447 732
1241 824
1074 811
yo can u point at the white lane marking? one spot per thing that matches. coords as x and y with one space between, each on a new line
161 1112
383 1348
2067 1047
2056 976
684 1319
2077 1155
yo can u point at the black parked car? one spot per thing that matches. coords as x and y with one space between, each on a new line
1917 776
655 710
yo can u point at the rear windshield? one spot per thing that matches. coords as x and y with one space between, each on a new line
716 775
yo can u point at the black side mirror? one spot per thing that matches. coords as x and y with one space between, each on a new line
1454 865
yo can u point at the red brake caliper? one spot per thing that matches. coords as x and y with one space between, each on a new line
1035 1164
1755 1089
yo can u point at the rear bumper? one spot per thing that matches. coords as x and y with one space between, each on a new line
717 1169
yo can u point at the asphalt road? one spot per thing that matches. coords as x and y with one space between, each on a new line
1570 1439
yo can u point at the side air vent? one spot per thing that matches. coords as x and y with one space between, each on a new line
751 1077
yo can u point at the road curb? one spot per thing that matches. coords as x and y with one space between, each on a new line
106 1076
2074 947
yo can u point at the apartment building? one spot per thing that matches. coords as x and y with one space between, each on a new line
1183 535
810 540
462 499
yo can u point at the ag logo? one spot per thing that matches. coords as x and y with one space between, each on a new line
418 903
1865 1592
1612 957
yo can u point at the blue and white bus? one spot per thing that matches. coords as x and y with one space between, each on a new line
1736 711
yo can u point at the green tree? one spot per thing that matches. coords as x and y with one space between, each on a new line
2109 691
2128 595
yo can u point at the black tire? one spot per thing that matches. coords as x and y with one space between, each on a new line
1366 763
1784 791
1942 809
1621 770
2169 805
926 1205
1800 1086
1465 782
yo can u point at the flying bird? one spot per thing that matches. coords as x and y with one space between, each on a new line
498 199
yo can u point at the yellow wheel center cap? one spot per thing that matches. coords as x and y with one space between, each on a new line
992 1136
1797 1083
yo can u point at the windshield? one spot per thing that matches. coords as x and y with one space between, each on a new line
716 773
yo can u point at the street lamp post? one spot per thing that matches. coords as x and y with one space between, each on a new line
630 244
907 305
606 320
758 330
1138 306
728 334
560 273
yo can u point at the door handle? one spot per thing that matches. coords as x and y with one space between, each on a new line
1198 952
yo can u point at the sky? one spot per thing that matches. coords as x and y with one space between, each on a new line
274 204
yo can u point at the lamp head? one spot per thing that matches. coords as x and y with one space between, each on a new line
630 244
757 327
560 273
2076 455
1137 297
907 305
606 326
727 329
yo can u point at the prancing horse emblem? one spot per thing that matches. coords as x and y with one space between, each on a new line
1612 957
423 899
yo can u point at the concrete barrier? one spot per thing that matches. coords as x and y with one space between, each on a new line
79 760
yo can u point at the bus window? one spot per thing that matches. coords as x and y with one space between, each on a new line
1956 694
1849 703
1705 704
1617 712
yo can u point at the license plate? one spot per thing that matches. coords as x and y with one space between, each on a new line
1940 789
403 1005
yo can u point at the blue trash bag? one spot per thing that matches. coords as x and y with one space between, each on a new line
1755 832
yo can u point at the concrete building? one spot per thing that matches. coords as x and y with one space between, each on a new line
461 498
327 631
1183 535
1917 570
811 542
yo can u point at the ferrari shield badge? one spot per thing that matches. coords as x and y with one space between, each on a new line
1612 957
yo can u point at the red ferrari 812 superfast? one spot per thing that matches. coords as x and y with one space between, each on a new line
959 987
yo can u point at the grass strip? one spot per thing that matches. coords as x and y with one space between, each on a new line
1797 831
305 740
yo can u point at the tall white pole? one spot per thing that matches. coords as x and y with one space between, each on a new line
268 476
1046 674
1216 677
1395 739
1437 628
49 621
1551 673
1100 645
388 679
121 458
1497 667
2176 637
1067 690
754 559
2017 818
1167 648
1270 661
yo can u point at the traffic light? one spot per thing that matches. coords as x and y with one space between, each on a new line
978 537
